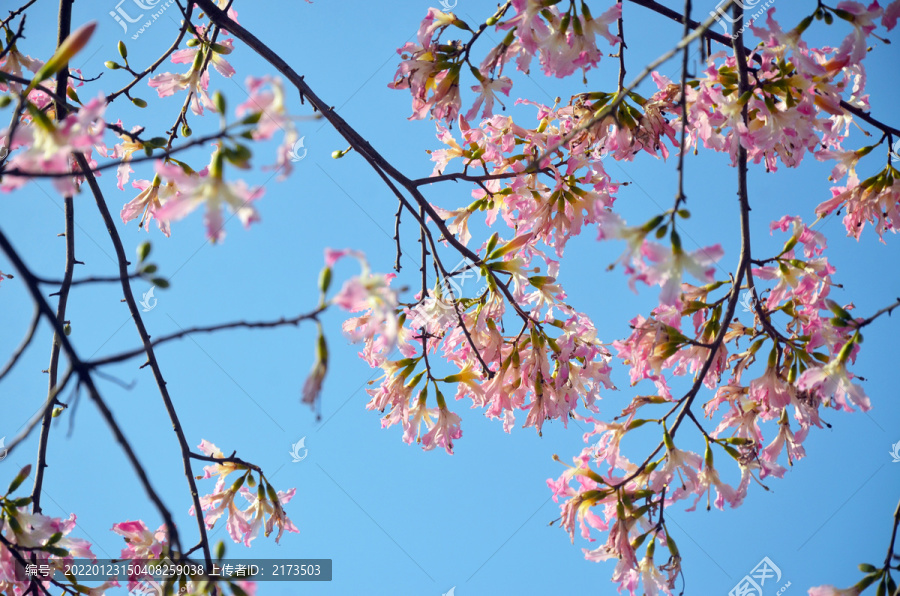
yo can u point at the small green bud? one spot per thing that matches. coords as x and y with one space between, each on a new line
139 102
123 51
112 65
219 102
325 279
19 479
143 251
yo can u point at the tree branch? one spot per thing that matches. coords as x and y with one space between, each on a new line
313 315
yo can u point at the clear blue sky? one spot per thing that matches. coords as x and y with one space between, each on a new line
394 519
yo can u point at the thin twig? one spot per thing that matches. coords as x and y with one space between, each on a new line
148 347
208 329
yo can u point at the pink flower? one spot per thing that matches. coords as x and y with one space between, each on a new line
487 91
786 437
123 151
872 201
370 293
264 511
679 473
187 55
36 530
210 190
668 267
142 543
49 145
217 504
13 63
444 431
216 470
148 203
833 379
770 391
654 581
618 546
420 414
709 478
194 81
891 14
267 99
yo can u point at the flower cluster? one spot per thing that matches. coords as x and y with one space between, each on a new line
264 509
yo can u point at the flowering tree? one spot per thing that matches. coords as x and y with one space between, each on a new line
517 346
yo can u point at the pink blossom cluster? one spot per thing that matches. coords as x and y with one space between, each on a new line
548 183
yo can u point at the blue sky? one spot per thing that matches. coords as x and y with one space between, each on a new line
395 519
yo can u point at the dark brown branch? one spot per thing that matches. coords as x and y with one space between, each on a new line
375 159
621 95
148 347
62 81
208 329
112 96
680 197
886 310
890 553
14 13
83 281
12 548
84 374
49 405
469 177
725 40
230 459
114 164
25 343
